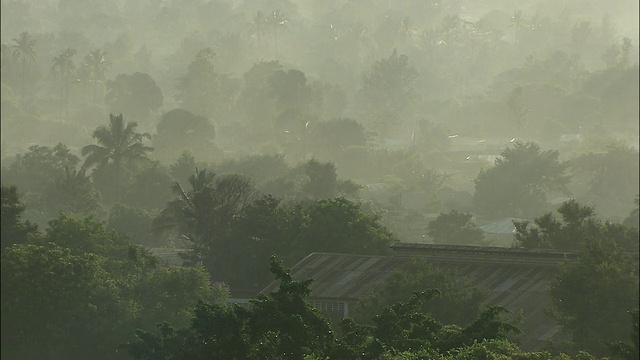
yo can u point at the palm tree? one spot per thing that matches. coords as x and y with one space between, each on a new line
98 66
204 216
190 214
23 50
277 19
117 143
6 63
259 25
63 65
517 20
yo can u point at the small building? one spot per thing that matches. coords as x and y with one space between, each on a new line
514 278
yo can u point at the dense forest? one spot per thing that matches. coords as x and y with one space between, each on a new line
228 131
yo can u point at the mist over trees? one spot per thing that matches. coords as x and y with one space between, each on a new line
226 131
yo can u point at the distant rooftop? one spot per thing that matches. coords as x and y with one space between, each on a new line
515 278
504 226
341 276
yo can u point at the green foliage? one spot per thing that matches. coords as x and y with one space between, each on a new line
619 96
136 95
200 85
458 303
65 303
279 325
624 350
431 137
388 89
455 228
40 166
260 168
497 349
170 293
232 232
266 226
577 227
404 328
290 90
135 223
489 325
183 167
150 188
118 144
85 235
323 181
611 177
204 216
328 100
518 183
269 226
181 130
75 193
633 220
79 290
309 180
23 52
13 229
591 296
255 99
339 225
50 183
330 138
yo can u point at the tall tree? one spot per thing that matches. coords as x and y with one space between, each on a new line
518 108
455 228
41 174
135 94
79 290
280 325
259 26
388 89
199 87
592 296
64 67
98 66
277 20
117 143
518 183
181 130
23 51
611 175
13 230
204 216
577 227
633 220
517 21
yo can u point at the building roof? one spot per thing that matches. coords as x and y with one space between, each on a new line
504 226
341 276
514 278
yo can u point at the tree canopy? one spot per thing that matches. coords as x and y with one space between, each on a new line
79 290
518 184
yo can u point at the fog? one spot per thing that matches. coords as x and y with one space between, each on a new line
409 101
317 179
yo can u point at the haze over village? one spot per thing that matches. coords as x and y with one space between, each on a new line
338 179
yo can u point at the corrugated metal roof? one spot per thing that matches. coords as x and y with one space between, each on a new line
343 277
504 226
515 278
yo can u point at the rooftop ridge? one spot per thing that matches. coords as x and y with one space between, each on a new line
420 248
